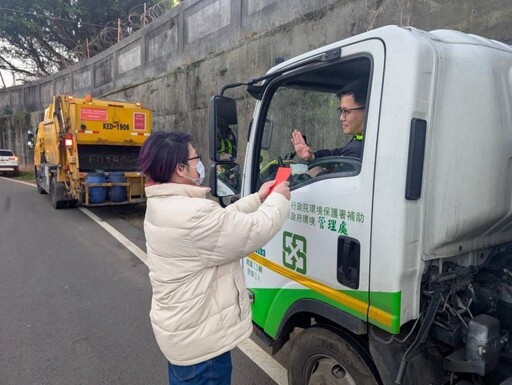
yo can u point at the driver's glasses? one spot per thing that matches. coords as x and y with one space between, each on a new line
346 111
195 157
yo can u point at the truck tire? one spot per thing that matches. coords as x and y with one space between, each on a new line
56 203
324 355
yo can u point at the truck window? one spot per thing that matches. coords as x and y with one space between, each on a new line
309 103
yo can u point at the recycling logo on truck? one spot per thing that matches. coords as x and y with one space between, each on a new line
294 252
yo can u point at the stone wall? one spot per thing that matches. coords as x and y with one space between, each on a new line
179 61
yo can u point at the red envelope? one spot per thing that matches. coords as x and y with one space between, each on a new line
283 173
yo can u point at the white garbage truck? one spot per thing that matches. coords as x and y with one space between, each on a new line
394 266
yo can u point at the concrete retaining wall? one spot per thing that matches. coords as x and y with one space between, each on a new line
176 63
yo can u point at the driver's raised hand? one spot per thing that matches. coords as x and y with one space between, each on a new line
302 150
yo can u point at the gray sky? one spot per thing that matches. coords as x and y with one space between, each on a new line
7 76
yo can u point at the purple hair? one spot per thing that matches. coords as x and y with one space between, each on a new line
162 152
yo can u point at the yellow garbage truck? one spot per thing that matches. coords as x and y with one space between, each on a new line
86 151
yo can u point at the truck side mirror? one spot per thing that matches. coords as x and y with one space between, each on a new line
30 139
223 127
225 179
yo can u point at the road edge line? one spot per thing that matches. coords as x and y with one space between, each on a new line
18 181
270 366
117 235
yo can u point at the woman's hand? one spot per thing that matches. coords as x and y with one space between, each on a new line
265 190
302 150
282 188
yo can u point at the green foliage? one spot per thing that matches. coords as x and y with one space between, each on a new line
21 119
39 37
26 176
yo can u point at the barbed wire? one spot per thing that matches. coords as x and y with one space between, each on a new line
114 31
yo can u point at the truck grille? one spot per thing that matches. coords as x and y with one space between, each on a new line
108 158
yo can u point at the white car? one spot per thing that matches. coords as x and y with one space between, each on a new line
9 163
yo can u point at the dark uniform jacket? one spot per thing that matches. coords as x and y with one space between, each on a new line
354 148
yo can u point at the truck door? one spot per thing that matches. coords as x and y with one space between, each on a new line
319 262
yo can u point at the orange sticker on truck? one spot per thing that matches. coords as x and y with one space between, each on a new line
95 114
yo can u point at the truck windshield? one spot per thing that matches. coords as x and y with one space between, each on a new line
329 128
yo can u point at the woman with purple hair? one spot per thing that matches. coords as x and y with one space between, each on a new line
200 309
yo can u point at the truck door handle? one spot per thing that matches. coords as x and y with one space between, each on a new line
349 259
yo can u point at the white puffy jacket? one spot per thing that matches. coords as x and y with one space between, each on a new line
200 307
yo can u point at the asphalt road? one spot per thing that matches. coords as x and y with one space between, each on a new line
74 301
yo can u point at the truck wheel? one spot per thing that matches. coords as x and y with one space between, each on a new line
321 356
57 204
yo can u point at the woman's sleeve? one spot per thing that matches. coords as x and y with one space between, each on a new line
223 236
246 204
